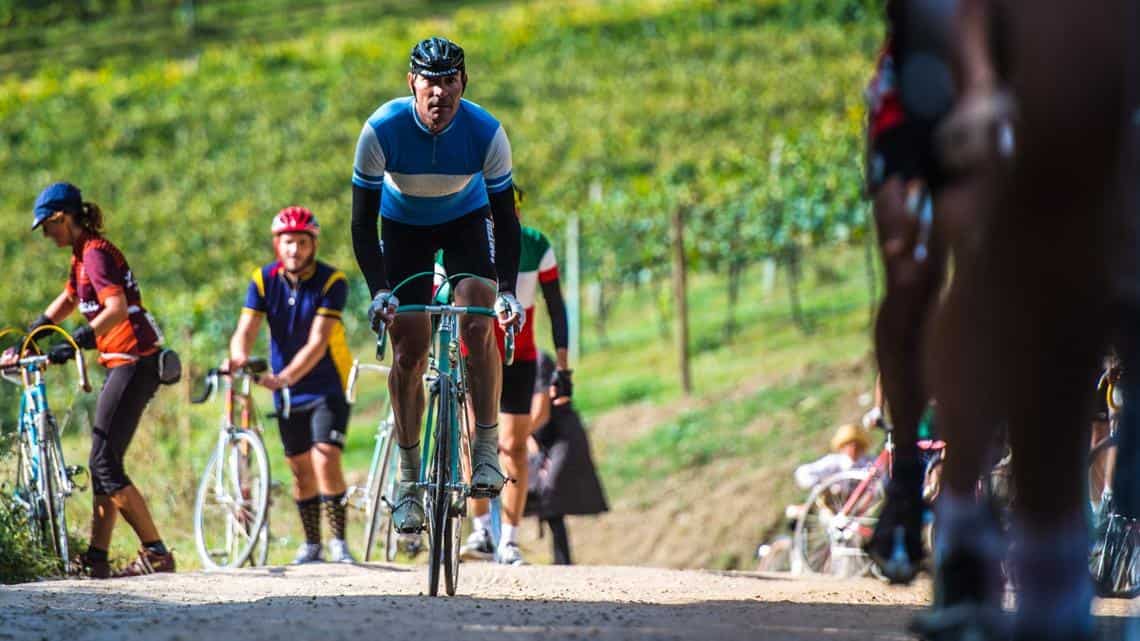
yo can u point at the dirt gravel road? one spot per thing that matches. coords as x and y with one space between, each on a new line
329 602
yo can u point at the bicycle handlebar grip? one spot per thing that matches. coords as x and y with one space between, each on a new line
211 384
509 346
381 341
350 389
286 403
81 366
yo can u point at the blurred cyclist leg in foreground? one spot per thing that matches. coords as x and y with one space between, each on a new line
1022 328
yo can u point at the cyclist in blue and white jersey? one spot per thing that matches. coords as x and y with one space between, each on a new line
436 169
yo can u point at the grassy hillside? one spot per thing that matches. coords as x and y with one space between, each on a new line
190 156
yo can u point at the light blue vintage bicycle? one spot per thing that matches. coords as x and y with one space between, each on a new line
446 434
43 480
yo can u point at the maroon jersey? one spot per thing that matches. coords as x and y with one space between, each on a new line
99 271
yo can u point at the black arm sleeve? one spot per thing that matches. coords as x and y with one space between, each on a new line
508 235
556 307
366 237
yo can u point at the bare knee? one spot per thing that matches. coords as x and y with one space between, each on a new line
326 458
476 330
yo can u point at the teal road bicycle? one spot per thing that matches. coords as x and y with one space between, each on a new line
43 480
446 435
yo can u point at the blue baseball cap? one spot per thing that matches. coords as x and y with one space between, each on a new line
56 197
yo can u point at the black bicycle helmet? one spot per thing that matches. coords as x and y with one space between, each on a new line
435 57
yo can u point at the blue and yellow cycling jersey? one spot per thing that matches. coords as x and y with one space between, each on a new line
430 179
290 310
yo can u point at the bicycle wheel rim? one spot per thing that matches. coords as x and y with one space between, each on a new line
26 488
437 491
377 512
60 491
234 526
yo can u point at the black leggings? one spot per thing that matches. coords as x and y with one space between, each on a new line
125 394
560 540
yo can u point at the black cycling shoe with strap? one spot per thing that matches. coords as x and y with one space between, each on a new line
896 545
148 562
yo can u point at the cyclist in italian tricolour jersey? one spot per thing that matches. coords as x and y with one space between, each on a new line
436 169
537 268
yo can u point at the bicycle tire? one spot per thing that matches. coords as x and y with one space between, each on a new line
378 512
816 536
51 516
59 491
228 455
437 494
260 555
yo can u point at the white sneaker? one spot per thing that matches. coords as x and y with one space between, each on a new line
509 554
308 553
479 546
338 552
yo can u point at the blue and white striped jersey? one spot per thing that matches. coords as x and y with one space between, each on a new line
430 179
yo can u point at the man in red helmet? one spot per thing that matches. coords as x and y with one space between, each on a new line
302 299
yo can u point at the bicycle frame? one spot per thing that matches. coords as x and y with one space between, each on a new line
48 478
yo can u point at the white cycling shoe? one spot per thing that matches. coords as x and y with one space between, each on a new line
309 553
339 553
509 554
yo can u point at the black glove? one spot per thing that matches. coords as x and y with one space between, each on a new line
563 386
84 337
39 322
60 354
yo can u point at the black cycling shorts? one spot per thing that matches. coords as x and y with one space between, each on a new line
325 421
125 394
468 245
907 151
518 387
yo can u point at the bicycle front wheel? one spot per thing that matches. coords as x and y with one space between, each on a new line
28 494
438 496
232 503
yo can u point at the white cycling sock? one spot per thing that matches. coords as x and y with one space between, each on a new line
509 534
483 521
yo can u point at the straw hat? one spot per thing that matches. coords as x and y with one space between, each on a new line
849 432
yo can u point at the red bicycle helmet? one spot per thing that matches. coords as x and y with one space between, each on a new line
296 219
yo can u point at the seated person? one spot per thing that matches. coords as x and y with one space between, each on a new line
849 447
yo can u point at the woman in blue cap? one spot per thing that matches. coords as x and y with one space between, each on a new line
103 288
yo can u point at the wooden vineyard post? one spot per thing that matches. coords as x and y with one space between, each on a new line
680 296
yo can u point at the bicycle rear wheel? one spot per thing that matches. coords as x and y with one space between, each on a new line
377 516
231 507
438 495
829 539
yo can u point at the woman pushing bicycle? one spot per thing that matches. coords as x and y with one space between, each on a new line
103 288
